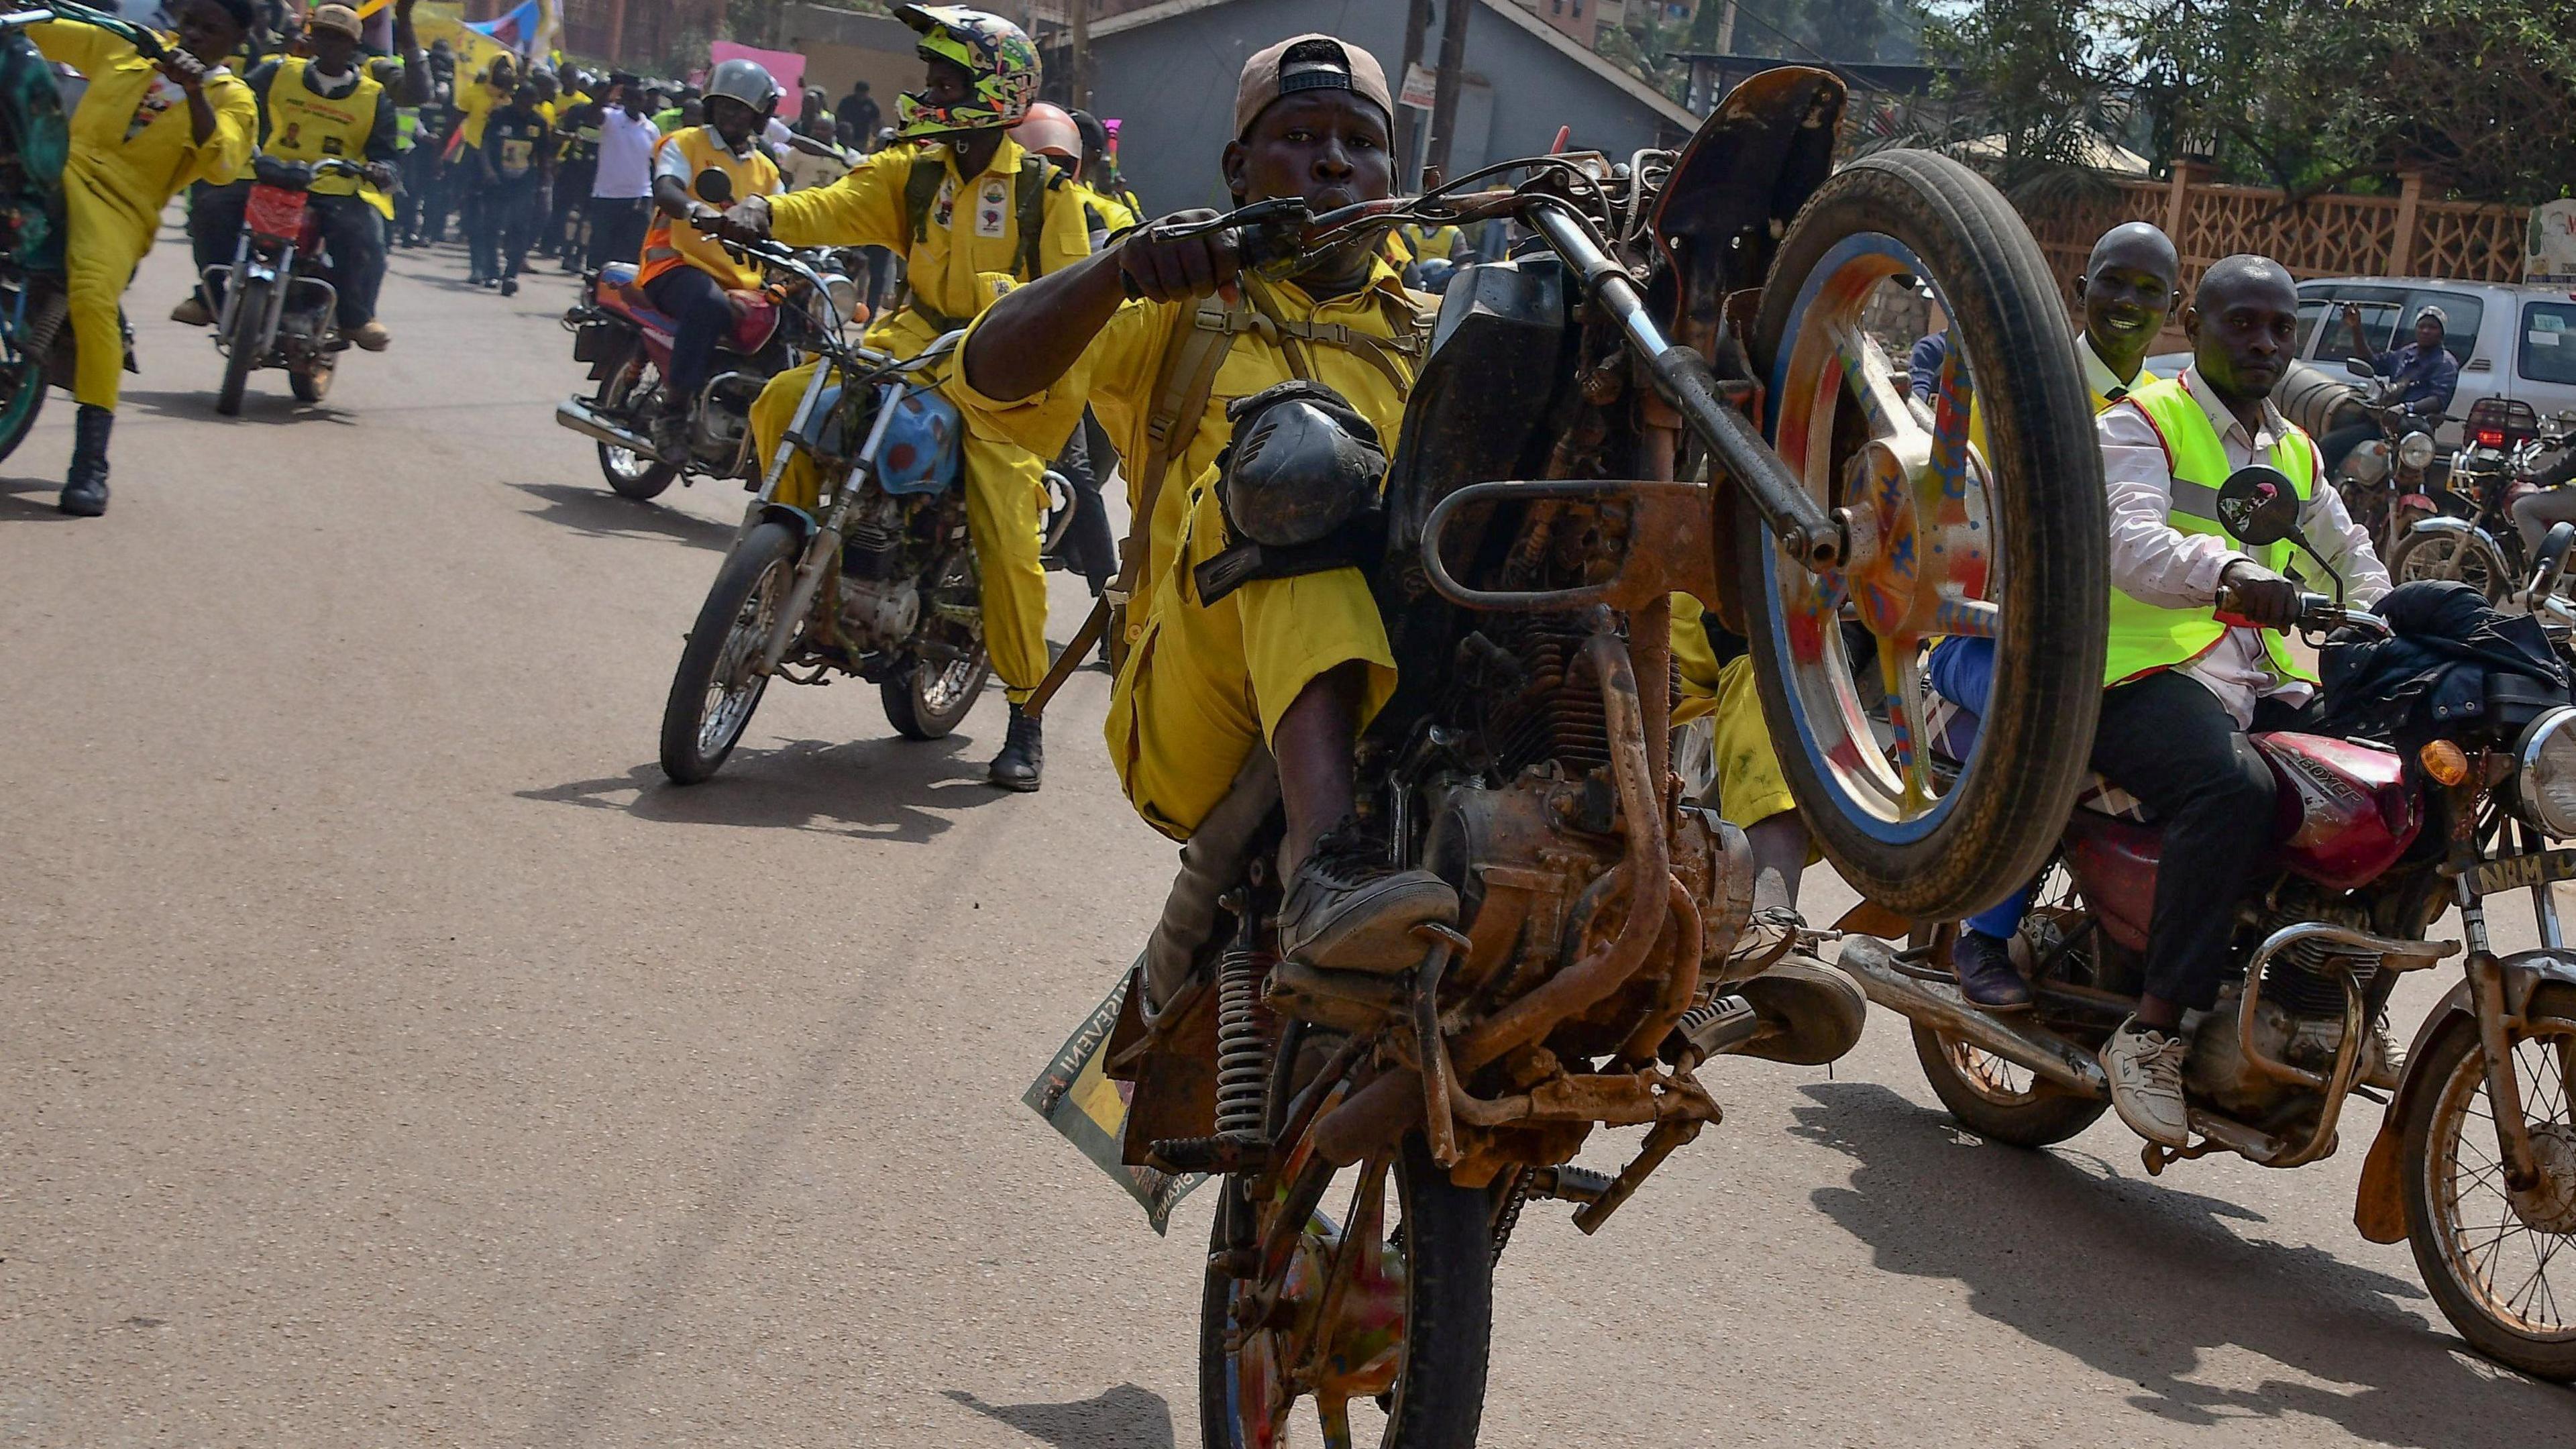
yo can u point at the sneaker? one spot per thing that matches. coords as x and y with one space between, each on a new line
1767 937
1986 975
373 336
2383 1064
2145 1068
1347 910
193 312
1023 756
509 286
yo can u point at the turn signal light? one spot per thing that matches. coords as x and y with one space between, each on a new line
2445 762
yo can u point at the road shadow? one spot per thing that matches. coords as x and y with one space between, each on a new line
265 409
879 789
31 500
2142 1282
1123 1417
598 513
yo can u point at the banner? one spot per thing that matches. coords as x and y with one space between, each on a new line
438 20
784 66
1077 1099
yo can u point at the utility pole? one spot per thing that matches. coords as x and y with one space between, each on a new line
1726 30
1081 82
1408 122
1444 97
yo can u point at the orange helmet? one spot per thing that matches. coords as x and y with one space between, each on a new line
1049 130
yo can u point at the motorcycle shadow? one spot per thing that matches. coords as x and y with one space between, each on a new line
876 789
1120 1417
268 409
2143 1283
597 513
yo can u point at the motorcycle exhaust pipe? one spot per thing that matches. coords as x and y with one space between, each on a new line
575 414
1939 1006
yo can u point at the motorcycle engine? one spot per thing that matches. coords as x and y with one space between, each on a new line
880 603
2299 1019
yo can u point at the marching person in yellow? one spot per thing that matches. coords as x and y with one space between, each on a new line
973 213
1222 659
143 130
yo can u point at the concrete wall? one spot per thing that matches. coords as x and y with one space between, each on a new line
1171 82
841 46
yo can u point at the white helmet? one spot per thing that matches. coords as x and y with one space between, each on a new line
747 81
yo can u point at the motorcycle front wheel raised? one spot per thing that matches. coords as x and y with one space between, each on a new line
2486 1250
1997 531
630 474
1404 1363
242 349
714 691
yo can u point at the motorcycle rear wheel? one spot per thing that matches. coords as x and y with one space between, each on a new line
1436 1254
926 699
22 396
242 349
2000 1100
2012 545
630 474
2486 1263
714 693
2442 554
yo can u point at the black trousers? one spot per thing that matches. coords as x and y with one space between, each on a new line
517 214
352 230
697 303
564 208
2167 740
617 227
1087 459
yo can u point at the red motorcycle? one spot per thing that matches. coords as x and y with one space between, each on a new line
280 309
2474 1162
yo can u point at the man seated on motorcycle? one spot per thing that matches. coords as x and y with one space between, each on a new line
327 106
686 271
2183 689
2129 286
143 129
972 211
2424 369
1219 664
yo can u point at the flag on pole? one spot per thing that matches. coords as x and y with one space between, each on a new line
522 29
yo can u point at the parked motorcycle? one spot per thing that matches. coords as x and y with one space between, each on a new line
878 582
2471 535
2386 481
2474 1163
1690 321
627 342
280 308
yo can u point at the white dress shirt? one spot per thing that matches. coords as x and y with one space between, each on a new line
625 156
2158 564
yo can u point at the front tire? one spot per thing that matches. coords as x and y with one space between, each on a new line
2014 547
630 474
714 693
2487 1264
926 700
242 349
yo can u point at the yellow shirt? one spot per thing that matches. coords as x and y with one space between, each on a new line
142 170
1114 214
1117 372
974 232
477 103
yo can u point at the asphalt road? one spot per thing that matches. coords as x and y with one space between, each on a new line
389 1058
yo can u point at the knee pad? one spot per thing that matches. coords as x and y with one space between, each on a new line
1298 488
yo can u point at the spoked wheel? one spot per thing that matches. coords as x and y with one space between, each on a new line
22 396
2002 536
928 697
715 692
1380 1317
242 349
2448 554
631 474
2500 1260
2000 1099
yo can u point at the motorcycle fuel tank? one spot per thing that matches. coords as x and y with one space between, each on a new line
2345 810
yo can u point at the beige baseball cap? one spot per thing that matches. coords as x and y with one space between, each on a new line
1308 62
339 19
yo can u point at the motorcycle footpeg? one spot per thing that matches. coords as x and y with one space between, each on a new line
1712 1029
1570 1184
1221 1153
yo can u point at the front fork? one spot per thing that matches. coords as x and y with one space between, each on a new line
825 546
2495 1044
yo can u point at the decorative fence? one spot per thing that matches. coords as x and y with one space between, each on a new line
2329 235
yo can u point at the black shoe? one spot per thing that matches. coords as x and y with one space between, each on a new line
1348 910
85 485
509 286
1023 755
1986 975
670 434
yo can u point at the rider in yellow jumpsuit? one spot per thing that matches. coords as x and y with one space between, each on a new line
142 131
963 211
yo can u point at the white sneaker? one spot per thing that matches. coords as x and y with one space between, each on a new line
2383 1062
2145 1068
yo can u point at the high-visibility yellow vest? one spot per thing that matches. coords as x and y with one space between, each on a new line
2147 637
1428 244
305 127
673 243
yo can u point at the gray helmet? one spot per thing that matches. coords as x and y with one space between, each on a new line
747 81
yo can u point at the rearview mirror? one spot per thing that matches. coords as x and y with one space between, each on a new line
714 187
2259 505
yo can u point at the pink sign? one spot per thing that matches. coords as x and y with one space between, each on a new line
784 66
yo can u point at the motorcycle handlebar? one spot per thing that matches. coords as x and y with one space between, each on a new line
2318 614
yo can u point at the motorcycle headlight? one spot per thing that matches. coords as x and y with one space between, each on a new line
845 297
2416 451
2547 780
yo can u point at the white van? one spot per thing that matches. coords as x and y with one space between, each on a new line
2511 341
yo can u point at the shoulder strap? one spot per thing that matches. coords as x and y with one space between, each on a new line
1032 189
1199 341
920 189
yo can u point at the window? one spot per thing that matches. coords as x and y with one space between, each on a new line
2462 314
2313 308
2379 306
2547 350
